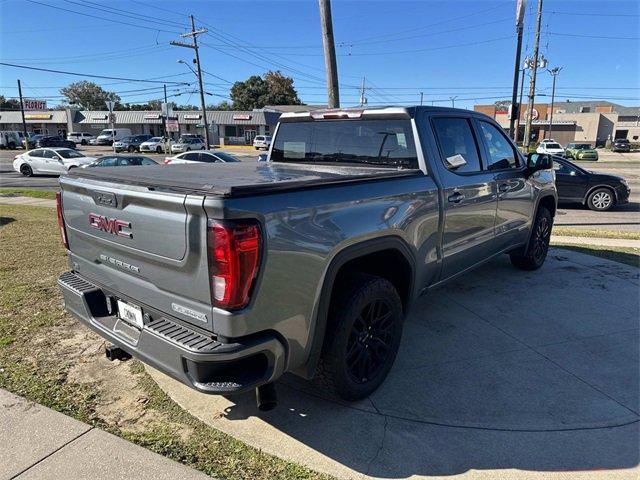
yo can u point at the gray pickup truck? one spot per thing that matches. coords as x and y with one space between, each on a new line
226 276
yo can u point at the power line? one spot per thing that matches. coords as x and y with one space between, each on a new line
398 52
582 14
87 74
125 13
602 37
121 22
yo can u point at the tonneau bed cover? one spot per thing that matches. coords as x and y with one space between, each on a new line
236 179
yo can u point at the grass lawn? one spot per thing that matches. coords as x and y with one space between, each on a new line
48 357
579 232
629 256
28 192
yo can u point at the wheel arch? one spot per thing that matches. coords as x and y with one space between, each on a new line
354 258
596 187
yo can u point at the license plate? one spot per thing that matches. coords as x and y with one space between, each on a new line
130 313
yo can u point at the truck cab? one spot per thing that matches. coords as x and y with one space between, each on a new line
225 278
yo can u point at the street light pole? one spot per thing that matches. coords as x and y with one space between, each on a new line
194 46
554 73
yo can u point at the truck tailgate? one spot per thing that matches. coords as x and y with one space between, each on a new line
149 246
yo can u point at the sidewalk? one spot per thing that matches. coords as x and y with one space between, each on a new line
38 443
604 242
33 202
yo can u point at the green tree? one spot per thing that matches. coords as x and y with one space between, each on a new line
224 105
88 95
256 92
9 104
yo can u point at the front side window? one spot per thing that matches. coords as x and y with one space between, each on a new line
562 168
367 142
70 154
501 153
457 144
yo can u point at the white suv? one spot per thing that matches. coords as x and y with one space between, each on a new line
550 147
262 141
80 137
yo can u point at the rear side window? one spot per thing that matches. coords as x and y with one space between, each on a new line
501 153
457 143
378 143
36 153
204 157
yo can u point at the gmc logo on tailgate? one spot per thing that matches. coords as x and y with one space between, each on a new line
113 226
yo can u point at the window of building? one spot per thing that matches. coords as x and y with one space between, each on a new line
457 144
230 131
585 109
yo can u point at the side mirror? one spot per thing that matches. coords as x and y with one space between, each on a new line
262 157
539 161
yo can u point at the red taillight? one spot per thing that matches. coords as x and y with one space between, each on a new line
167 161
234 258
63 229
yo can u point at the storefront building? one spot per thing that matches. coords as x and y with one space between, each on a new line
595 123
225 127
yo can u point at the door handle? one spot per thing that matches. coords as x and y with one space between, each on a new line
503 187
457 197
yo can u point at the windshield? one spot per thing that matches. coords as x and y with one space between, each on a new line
553 145
226 157
622 140
155 139
371 142
106 132
582 146
69 154
128 139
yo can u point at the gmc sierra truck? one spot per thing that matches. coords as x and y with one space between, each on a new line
226 276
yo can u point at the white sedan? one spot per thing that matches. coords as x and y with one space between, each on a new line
203 156
155 144
49 161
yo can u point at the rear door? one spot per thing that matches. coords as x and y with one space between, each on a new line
470 198
515 193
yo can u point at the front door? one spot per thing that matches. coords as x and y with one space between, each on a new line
515 193
50 161
570 182
249 135
470 197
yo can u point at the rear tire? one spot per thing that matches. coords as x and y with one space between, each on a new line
83 142
364 331
26 170
131 149
536 251
601 200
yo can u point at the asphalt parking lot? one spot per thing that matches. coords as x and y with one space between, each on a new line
624 217
502 374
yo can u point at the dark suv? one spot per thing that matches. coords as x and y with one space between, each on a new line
53 141
621 145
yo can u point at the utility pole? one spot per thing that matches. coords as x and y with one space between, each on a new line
165 114
453 101
554 73
421 97
330 65
517 129
24 122
515 107
532 85
194 46
363 99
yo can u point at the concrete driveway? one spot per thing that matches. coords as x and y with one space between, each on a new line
503 373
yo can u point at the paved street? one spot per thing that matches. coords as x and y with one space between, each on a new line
502 374
625 217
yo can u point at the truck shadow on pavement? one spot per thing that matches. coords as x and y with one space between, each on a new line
503 369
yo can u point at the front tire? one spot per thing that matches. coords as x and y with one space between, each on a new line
26 170
601 200
83 142
364 331
131 149
158 149
536 251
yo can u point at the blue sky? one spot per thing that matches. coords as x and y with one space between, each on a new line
442 48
